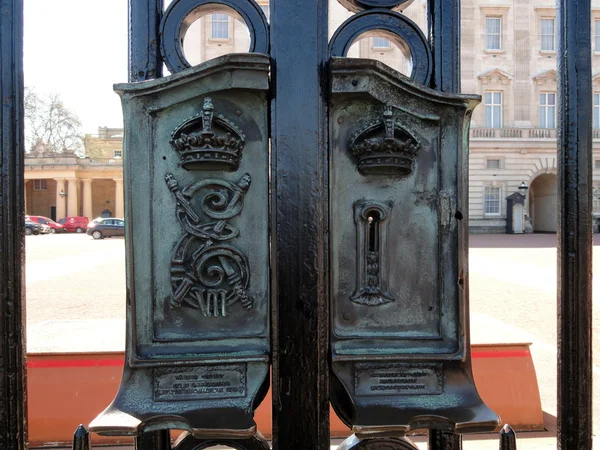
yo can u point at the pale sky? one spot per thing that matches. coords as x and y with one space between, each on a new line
78 49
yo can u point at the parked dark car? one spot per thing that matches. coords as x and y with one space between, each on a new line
77 224
32 227
106 228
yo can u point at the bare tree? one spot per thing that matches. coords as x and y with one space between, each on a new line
50 127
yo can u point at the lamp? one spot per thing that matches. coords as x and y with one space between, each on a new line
523 189
62 193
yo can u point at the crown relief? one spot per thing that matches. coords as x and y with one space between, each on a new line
383 147
208 141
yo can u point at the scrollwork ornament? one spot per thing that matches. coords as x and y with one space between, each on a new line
207 273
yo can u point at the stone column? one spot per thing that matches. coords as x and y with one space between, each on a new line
60 201
73 202
119 208
87 198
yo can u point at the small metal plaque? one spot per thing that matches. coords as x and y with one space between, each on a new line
397 379
199 383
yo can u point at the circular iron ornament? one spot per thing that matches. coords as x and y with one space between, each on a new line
179 16
360 5
394 25
188 442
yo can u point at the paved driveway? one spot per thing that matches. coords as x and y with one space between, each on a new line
76 288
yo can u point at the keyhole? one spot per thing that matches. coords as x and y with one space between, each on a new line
373 219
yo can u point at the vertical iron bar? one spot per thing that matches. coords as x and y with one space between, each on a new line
145 62
153 440
444 440
444 37
574 225
81 438
13 429
508 438
300 172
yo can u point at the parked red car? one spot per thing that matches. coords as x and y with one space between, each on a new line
54 227
77 224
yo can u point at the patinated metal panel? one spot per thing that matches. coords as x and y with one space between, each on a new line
197 208
399 307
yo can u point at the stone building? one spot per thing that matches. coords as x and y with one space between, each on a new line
63 185
508 57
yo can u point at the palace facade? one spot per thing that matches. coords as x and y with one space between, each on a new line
508 57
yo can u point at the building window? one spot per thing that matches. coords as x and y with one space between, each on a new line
492 200
597 111
548 110
379 42
597 35
597 164
493 33
547 34
493 109
40 185
596 199
493 164
220 26
118 154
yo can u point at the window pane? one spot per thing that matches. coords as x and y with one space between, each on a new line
493 25
493 32
596 99
551 117
493 163
552 99
548 26
547 34
497 98
548 43
542 116
492 200
488 98
488 117
542 99
497 117
596 118
220 26
493 42
379 42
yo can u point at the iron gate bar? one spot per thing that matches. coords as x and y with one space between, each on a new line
444 38
443 17
145 62
299 243
13 410
574 138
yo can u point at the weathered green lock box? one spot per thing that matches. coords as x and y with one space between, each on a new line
197 209
398 227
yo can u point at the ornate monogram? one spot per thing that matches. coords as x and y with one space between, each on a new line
384 148
207 273
201 147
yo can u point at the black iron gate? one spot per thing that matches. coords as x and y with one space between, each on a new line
300 210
